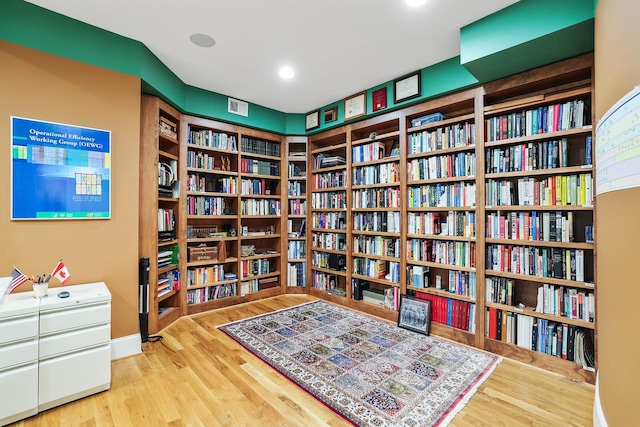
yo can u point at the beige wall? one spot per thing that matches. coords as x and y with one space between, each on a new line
617 68
40 86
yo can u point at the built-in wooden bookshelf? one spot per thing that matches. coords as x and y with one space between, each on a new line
459 199
327 220
160 218
442 259
539 216
297 209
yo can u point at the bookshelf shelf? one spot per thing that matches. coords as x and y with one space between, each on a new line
441 152
551 171
212 262
441 208
166 155
211 239
374 256
329 271
211 194
441 180
531 312
567 245
213 171
265 236
539 137
441 123
197 147
375 233
206 285
259 156
442 293
550 280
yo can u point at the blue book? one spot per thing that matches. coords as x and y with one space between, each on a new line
588 150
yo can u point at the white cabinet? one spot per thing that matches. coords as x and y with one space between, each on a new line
18 357
54 350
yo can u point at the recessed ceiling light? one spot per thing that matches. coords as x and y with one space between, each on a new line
416 3
286 72
202 40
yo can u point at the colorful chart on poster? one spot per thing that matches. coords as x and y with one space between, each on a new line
618 145
59 171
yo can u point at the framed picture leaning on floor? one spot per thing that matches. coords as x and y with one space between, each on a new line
414 314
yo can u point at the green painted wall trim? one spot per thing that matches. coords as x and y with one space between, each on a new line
437 80
526 35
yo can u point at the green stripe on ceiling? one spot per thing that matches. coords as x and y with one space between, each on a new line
525 35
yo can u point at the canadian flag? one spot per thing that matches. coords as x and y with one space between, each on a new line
61 273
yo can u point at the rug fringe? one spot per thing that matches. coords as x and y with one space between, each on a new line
469 393
266 314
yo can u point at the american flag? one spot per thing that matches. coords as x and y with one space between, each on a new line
17 279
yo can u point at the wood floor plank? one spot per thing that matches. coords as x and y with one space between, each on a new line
198 376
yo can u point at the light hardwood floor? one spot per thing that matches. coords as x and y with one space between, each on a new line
198 376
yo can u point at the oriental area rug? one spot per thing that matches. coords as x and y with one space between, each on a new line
368 370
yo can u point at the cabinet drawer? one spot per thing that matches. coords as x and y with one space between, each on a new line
22 399
18 353
18 328
65 342
74 317
74 375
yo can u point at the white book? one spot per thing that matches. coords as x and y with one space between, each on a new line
580 265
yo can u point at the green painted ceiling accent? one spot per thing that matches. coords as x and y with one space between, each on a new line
525 35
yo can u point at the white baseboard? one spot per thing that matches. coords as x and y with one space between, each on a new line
598 415
126 346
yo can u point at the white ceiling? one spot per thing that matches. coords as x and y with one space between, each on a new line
336 47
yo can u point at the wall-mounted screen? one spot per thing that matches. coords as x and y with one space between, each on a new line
59 171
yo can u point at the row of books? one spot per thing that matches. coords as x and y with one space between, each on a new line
212 162
205 205
461 283
376 245
209 293
551 118
451 223
259 146
329 220
296 249
382 221
456 135
210 183
386 173
324 281
331 241
451 312
330 179
377 269
442 195
566 302
329 200
388 197
368 152
261 207
296 170
297 274
297 207
257 267
258 186
532 156
331 261
567 264
298 231
168 255
259 167
556 339
166 219
462 254
205 275
436 167
212 139
295 188
534 225
558 190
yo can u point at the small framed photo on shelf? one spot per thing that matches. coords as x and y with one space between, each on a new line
355 106
313 120
407 87
331 114
379 99
414 314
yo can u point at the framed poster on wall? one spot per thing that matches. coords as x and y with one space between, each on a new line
59 171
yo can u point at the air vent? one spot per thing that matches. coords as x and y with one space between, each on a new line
236 106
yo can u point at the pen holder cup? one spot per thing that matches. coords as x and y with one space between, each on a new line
40 289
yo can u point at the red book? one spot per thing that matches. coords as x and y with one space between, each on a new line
493 322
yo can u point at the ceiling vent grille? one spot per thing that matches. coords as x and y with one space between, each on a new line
235 106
